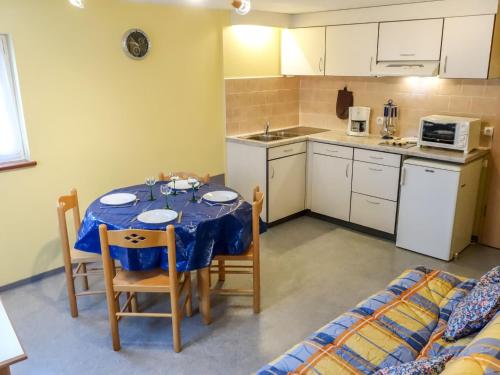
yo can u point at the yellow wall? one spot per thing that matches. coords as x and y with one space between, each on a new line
97 120
252 51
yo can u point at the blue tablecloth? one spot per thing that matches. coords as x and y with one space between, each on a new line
204 232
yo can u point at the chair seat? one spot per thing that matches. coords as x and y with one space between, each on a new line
247 255
155 281
78 256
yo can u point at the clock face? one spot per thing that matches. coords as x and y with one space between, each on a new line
136 44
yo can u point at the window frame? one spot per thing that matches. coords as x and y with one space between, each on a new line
7 49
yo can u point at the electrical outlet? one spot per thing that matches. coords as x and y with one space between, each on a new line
488 131
380 121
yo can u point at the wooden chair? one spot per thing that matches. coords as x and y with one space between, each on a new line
72 256
155 281
251 255
184 176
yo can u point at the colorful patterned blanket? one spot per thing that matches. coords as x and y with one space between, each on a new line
398 325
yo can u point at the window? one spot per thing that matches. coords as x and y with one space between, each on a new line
13 145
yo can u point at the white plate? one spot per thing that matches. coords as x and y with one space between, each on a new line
157 216
181 185
222 196
118 199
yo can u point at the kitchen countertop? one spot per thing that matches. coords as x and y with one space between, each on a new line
371 143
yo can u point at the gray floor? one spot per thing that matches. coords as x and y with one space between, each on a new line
311 272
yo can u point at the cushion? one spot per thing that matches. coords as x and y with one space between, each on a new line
424 366
388 329
481 356
474 311
491 277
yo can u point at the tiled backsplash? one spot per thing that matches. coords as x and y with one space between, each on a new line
311 101
251 102
416 97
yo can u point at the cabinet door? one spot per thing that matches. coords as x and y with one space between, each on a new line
466 47
331 186
410 40
303 51
351 50
287 186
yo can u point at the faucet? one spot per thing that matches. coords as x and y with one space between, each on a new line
266 131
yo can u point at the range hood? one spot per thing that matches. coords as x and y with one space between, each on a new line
406 68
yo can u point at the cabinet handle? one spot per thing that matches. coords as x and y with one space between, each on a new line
445 64
464 185
347 170
375 169
321 64
288 150
403 176
371 64
272 175
372 202
332 151
406 54
429 171
377 157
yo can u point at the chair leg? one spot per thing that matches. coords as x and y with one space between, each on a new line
133 303
189 305
129 308
113 321
70 286
85 279
176 324
256 287
222 270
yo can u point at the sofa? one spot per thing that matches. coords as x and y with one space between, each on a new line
401 325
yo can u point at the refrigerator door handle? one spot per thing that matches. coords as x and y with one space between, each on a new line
403 176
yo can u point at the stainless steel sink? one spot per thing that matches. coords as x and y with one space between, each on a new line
284 134
264 137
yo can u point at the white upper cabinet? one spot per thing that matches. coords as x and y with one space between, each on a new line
466 47
303 51
410 40
351 50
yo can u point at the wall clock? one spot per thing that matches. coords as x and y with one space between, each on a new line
136 44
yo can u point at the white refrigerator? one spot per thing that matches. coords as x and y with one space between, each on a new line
437 206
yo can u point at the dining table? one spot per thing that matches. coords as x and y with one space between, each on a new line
203 229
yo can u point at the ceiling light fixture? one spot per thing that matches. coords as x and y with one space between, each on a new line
242 7
77 3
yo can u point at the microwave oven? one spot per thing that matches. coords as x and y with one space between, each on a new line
454 133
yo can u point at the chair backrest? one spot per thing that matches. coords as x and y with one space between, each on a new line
184 176
66 203
258 201
138 239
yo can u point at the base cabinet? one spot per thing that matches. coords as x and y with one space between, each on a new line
331 186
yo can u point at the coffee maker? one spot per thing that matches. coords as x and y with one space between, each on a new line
359 121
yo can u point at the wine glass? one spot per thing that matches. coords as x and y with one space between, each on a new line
151 181
173 178
193 181
165 190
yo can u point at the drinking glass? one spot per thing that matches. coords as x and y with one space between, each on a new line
165 190
193 182
151 181
173 178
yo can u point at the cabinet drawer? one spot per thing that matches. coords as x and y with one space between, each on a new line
282 151
376 180
376 213
384 158
333 150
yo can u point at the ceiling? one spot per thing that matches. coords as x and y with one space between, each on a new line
291 6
